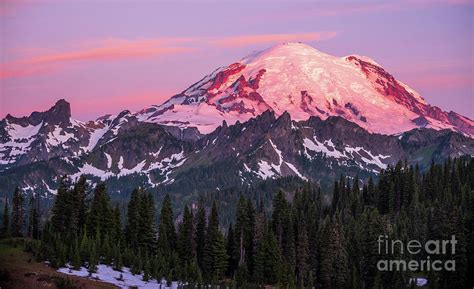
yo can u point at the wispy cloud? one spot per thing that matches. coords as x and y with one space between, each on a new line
104 50
111 49
247 40
41 60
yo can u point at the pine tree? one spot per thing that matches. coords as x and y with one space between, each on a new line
17 214
302 253
146 225
240 229
33 220
186 246
6 220
116 230
231 252
289 245
341 261
93 259
99 219
79 204
133 218
200 235
76 259
268 263
215 256
61 208
166 231
118 259
326 268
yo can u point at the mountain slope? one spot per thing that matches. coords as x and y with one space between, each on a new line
239 155
305 82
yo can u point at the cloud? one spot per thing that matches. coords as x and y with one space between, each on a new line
41 60
104 50
247 40
110 49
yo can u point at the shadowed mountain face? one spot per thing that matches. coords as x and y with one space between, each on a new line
125 152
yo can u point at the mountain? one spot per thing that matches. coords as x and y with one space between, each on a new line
53 133
289 111
305 82
131 153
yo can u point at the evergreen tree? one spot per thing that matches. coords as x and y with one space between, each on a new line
302 254
186 246
76 259
200 235
6 220
17 214
166 231
268 263
79 204
215 257
93 259
231 252
33 220
133 218
61 207
146 225
99 219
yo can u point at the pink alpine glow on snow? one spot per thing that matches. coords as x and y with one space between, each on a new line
303 81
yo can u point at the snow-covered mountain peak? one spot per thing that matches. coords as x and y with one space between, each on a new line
306 82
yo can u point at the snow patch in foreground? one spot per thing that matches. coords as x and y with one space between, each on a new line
419 281
108 275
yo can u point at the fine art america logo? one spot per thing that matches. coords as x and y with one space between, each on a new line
430 256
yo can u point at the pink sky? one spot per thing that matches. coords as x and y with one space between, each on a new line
110 56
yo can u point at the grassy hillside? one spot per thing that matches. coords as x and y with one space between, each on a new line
18 270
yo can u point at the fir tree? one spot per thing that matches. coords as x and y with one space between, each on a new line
133 218
6 220
186 246
231 252
17 214
146 225
215 256
302 254
61 207
99 219
166 231
33 220
93 259
200 235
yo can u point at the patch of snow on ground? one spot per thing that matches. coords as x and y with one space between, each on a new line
419 281
108 275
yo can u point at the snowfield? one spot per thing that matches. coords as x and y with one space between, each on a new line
419 281
299 79
109 275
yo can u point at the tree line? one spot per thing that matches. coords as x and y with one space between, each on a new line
304 242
